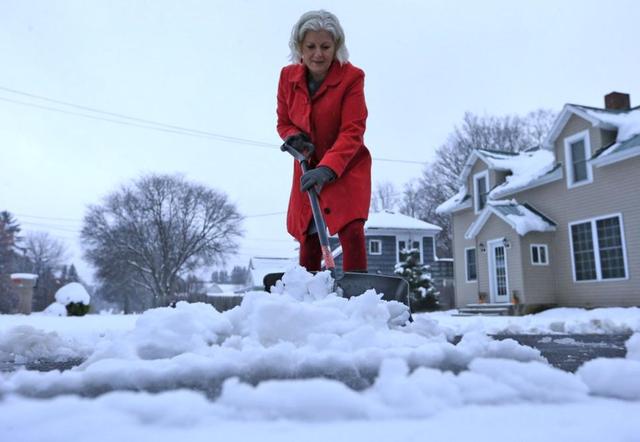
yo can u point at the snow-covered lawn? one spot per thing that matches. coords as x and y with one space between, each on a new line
307 365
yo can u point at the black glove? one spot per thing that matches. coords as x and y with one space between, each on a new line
300 142
316 177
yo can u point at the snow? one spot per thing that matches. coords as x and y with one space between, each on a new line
72 292
628 123
388 219
526 167
26 276
304 364
449 205
528 221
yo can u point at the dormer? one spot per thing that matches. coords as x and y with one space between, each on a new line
585 137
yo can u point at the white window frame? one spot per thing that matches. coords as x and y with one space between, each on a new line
375 241
596 249
568 160
476 196
466 265
546 254
408 239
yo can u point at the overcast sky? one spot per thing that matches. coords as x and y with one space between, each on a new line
213 66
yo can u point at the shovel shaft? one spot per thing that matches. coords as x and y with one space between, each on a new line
320 224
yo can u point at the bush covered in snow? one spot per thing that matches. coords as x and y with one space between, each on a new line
75 298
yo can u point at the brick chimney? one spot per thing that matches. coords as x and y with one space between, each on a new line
617 100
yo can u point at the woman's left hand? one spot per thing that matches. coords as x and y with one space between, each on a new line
316 177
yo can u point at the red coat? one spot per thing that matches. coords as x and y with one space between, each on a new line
335 119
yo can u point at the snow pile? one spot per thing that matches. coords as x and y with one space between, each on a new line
564 320
617 378
304 331
187 415
56 309
164 333
397 393
72 292
25 344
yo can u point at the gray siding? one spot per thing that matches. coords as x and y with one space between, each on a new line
465 292
383 264
612 192
539 280
427 249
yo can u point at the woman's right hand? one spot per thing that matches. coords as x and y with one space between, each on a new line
300 142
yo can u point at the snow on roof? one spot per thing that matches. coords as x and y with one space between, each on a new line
388 219
454 202
26 276
526 168
627 123
523 218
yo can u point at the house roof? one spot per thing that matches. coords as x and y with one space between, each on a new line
523 218
390 220
527 168
625 122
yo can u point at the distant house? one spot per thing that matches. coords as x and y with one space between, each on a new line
388 235
557 225
261 266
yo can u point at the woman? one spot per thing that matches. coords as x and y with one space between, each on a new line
321 100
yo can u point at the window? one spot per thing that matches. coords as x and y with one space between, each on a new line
470 264
597 248
403 249
480 190
577 151
375 247
539 254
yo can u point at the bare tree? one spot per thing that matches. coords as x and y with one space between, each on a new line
410 203
45 256
441 179
157 228
44 251
384 197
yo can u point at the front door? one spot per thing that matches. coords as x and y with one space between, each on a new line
498 279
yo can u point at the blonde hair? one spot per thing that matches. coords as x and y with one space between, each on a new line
318 21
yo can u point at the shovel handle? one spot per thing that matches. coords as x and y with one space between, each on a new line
321 226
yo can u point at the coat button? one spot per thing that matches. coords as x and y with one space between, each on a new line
327 210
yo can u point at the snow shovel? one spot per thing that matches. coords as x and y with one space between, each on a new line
393 288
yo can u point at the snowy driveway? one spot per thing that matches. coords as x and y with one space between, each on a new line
311 366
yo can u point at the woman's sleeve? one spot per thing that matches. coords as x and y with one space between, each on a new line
284 125
352 127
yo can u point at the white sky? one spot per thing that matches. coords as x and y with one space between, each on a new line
214 65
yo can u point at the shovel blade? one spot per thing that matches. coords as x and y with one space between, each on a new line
393 288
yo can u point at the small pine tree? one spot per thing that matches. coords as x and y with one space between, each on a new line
72 274
423 295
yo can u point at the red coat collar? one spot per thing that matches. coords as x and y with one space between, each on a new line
334 76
